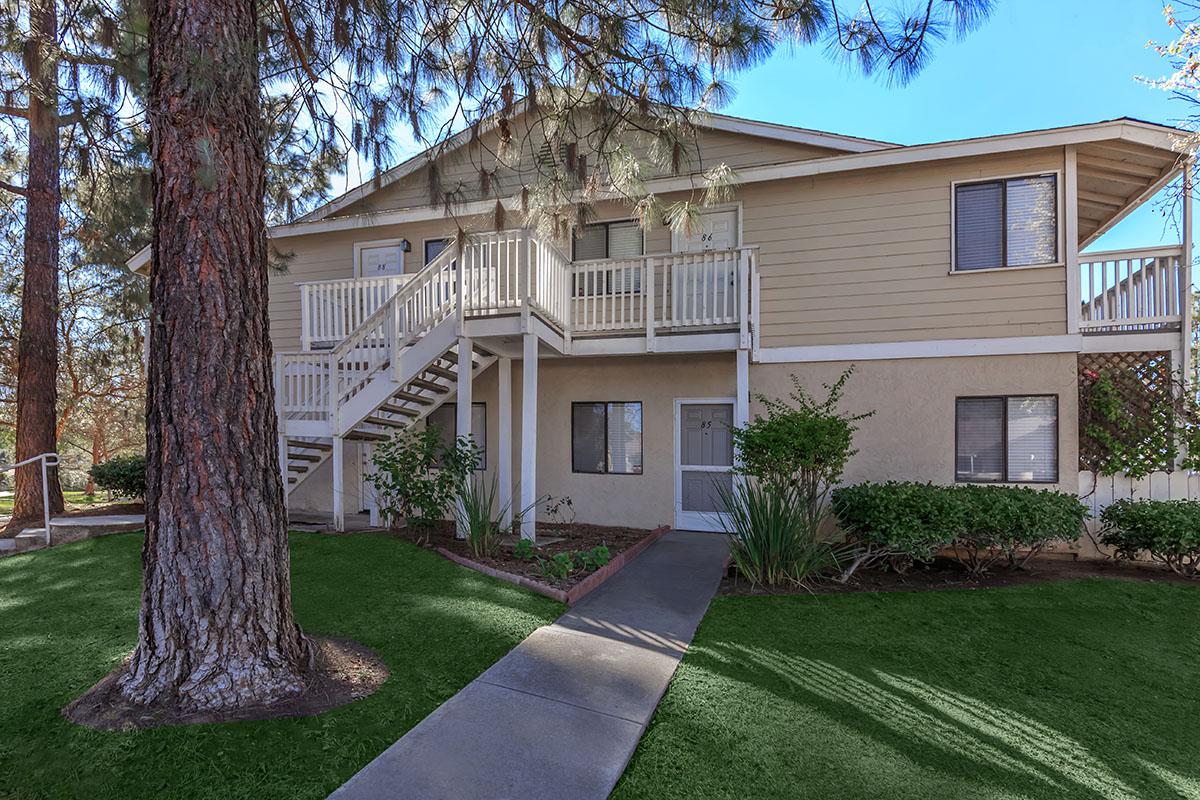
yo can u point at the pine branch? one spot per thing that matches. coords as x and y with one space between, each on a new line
20 191
294 39
15 111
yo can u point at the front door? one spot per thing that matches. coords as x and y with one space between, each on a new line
704 463
704 288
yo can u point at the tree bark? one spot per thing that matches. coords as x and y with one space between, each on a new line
216 630
37 345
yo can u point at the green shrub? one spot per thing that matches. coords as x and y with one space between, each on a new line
417 477
124 476
595 558
1012 523
1168 530
982 524
801 442
897 522
772 538
523 550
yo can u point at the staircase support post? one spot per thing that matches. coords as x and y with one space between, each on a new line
529 401
339 487
463 407
504 461
283 467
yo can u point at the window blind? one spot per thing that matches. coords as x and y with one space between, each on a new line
434 248
979 226
980 436
1031 228
591 242
1032 439
625 438
588 442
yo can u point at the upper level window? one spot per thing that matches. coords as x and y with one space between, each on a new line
607 240
434 248
1012 222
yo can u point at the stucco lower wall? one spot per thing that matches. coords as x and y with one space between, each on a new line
911 435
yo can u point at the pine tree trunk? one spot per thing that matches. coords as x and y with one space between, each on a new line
216 630
37 346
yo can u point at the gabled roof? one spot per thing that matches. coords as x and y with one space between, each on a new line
720 122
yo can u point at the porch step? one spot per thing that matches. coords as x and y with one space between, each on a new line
386 423
303 456
441 372
366 436
310 445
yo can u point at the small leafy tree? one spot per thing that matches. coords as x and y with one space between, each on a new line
801 442
417 476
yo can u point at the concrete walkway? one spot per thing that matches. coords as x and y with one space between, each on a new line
561 714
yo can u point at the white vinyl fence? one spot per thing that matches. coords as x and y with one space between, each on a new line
1099 491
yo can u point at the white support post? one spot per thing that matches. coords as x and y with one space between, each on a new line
1071 237
648 294
283 466
741 400
743 297
339 481
529 401
1189 167
504 464
462 407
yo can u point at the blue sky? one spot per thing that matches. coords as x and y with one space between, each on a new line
1033 64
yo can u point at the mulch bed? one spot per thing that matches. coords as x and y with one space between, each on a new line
945 573
106 510
343 671
574 536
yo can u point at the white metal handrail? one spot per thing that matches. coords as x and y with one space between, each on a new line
1130 290
47 460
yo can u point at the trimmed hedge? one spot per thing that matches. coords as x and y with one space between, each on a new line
1169 530
899 521
124 476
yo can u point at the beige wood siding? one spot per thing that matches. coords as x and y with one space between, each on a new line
865 257
459 170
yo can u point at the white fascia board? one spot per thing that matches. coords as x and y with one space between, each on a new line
787 133
934 348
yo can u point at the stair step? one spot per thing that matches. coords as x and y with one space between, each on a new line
303 457
409 397
429 386
301 468
391 409
309 445
366 436
441 372
386 423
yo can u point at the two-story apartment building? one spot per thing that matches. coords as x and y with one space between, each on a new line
607 366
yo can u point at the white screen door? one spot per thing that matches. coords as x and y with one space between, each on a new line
703 463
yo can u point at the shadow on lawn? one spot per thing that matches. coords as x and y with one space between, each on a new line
988 743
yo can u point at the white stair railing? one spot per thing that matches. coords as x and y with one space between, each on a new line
47 460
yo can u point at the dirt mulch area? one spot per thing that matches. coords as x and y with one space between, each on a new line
343 671
106 510
574 536
945 573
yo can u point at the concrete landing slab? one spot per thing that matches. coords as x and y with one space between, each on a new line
561 714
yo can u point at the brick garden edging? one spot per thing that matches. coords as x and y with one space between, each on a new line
576 592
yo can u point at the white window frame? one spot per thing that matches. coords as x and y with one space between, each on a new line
448 239
377 243
1059 218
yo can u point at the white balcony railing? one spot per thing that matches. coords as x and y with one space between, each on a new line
502 271
331 310
1127 291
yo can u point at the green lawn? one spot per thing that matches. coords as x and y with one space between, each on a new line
74 500
69 614
1066 690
